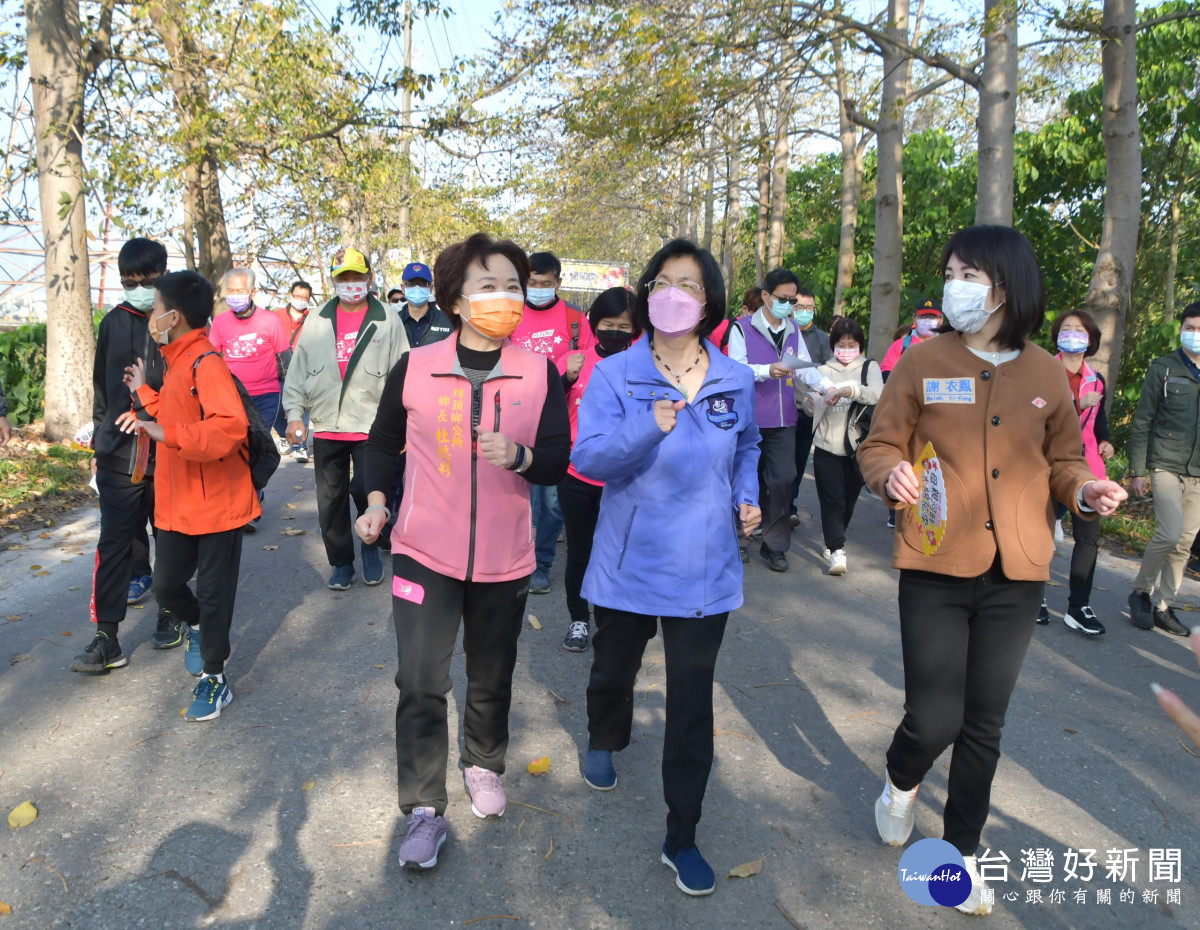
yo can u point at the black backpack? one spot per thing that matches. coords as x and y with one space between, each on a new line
858 418
263 455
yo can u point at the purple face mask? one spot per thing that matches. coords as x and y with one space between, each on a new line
673 313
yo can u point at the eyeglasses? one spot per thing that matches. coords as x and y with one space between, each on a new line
691 288
787 300
148 281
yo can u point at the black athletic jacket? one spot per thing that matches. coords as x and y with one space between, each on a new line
124 338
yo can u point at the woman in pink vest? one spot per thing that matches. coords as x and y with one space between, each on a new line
1078 338
610 318
481 419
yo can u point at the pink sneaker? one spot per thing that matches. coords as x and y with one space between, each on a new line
487 794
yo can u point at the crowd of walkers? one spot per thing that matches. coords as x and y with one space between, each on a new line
475 415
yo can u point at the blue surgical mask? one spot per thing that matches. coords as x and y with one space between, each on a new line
1073 343
804 318
781 309
417 295
540 296
140 298
1191 342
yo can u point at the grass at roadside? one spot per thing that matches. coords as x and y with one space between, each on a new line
39 479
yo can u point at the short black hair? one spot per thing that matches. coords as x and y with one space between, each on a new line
1089 324
189 293
714 286
803 291
545 263
777 277
1191 310
611 303
142 256
300 282
846 326
1005 256
394 290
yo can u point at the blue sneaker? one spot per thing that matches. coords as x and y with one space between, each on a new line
211 696
139 588
192 660
372 565
693 875
598 770
540 582
341 578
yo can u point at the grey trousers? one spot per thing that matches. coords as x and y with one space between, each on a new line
1177 519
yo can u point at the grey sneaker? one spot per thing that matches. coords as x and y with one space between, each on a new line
893 813
424 839
540 582
1167 621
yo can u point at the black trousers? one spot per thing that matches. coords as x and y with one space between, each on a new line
963 641
215 558
580 503
340 468
776 473
691 646
839 483
139 562
1083 562
124 509
804 441
426 622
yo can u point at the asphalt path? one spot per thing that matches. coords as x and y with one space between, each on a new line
282 812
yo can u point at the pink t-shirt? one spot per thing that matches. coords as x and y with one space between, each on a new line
550 332
250 346
348 326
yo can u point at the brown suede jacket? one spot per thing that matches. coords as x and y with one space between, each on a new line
1004 455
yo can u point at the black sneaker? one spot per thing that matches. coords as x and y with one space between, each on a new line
1141 611
1044 613
891 520
776 561
169 633
1166 620
100 655
576 639
1083 620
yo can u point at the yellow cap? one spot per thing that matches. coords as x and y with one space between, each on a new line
349 260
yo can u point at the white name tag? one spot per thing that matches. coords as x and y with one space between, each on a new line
949 390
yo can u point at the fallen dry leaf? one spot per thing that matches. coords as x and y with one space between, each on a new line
308 786
183 712
746 869
539 766
299 487
5 910
12 618
292 531
44 535
535 622
269 548
22 815
381 666
291 506
39 574
550 850
67 633
138 606
20 657
34 568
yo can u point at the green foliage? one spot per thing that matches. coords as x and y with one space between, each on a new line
23 372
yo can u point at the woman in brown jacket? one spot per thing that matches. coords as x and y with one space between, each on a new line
1003 426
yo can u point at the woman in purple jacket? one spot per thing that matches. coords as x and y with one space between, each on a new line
668 426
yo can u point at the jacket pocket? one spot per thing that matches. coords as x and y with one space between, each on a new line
625 541
958 517
1034 516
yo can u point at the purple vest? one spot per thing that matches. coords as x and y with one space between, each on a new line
775 398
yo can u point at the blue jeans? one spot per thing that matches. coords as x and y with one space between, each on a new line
268 408
548 518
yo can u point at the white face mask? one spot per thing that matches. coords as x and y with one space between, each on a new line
298 303
161 335
140 298
351 292
964 305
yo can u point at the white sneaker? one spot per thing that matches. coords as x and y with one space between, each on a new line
893 813
282 445
299 454
837 561
979 901
1058 533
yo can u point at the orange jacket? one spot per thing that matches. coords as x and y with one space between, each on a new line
202 477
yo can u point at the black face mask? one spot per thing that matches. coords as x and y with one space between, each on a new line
614 340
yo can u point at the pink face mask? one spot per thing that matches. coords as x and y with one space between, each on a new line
673 313
846 356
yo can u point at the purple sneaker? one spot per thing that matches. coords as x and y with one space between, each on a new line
424 839
487 794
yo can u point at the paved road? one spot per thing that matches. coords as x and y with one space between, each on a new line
146 820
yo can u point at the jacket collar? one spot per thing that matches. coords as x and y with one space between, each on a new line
173 351
759 322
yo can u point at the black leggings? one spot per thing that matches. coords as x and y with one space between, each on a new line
963 640
1083 561
580 503
691 646
839 483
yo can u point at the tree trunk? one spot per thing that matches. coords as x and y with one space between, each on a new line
1112 279
764 208
1172 260
710 194
56 70
997 114
733 212
889 195
779 177
189 85
852 172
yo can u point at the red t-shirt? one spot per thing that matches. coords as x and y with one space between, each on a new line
348 326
